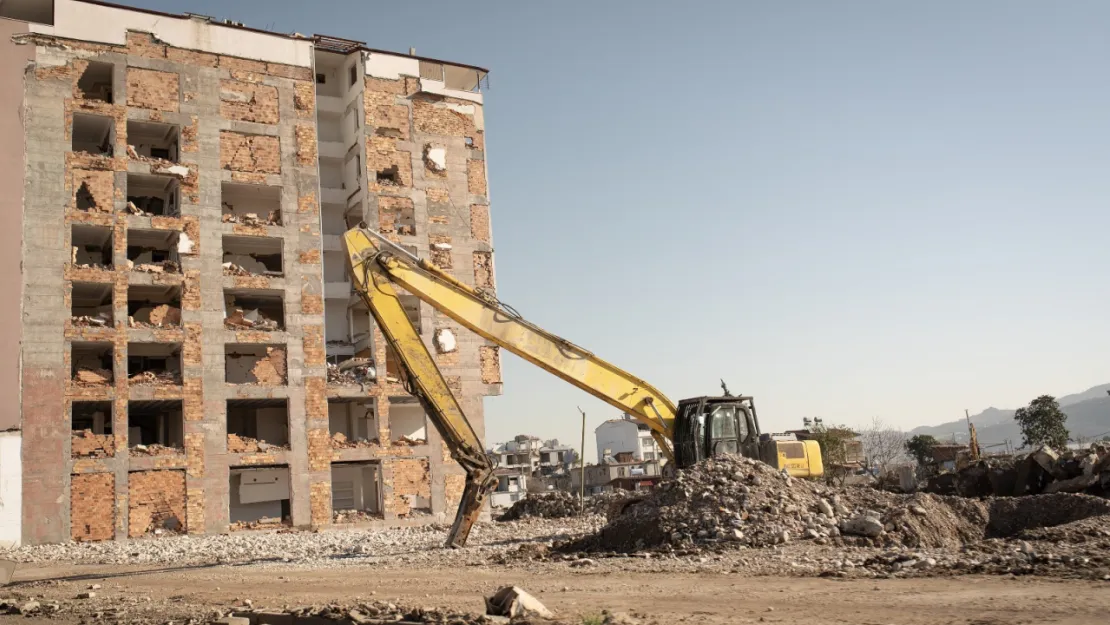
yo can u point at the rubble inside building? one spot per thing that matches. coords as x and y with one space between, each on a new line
273 218
84 443
155 427
154 364
91 247
352 371
155 251
253 310
237 444
91 305
252 256
92 364
339 440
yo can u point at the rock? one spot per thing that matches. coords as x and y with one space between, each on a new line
94 586
232 620
86 595
862 526
29 607
512 602
825 507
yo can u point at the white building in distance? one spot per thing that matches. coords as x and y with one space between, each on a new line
625 435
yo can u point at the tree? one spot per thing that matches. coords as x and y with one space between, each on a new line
882 445
921 448
1042 423
833 441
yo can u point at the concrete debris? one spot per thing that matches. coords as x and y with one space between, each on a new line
131 153
514 602
159 378
231 269
252 219
237 444
101 320
92 377
135 210
347 517
161 316
700 507
339 440
84 443
165 266
559 504
251 319
155 450
352 371
179 171
1042 471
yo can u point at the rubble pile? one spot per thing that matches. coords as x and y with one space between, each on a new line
165 266
352 371
237 444
155 450
250 319
353 516
252 219
86 444
157 378
740 501
92 377
100 320
550 505
161 316
1042 471
231 269
339 440
135 210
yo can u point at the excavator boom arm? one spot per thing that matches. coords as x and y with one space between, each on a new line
378 264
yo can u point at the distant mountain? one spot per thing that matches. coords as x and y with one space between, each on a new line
1088 416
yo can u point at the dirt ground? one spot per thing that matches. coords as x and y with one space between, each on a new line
163 595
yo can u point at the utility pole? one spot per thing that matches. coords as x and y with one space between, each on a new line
582 463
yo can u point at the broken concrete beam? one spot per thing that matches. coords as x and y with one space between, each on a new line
515 602
1073 485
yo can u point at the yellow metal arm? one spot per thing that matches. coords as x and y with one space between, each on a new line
370 255
428 385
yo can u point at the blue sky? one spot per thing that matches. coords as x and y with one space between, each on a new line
848 209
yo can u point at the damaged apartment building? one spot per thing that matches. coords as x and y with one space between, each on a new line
191 356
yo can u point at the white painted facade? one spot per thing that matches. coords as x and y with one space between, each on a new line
11 489
625 435
74 19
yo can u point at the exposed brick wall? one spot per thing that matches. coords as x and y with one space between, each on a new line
441 255
99 187
483 270
396 215
382 155
306 144
88 444
453 486
479 222
319 449
313 345
151 89
248 101
320 502
476 177
489 357
250 153
92 506
304 99
410 477
156 501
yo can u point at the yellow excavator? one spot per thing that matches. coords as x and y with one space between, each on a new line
695 429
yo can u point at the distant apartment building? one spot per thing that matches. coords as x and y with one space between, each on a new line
625 435
622 473
185 351
528 455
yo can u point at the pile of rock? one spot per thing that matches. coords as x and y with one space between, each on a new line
92 377
339 440
157 378
550 505
231 269
100 320
252 319
252 219
352 371
155 450
237 444
165 266
1042 471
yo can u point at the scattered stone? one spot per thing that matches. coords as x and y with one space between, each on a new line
514 602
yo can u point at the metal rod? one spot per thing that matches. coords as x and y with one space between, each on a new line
582 463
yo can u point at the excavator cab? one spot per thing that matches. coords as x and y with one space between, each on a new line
715 426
